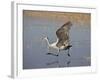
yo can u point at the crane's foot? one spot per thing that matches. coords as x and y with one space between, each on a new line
52 54
69 55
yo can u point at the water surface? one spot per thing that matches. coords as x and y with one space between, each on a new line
35 49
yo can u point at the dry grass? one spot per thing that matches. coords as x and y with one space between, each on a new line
83 18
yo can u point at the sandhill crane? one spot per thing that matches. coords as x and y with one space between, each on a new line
63 41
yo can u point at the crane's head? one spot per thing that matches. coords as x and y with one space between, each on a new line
45 38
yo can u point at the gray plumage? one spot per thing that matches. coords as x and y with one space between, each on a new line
63 34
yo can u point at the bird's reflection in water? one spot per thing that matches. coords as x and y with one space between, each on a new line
53 62
57 61
68 63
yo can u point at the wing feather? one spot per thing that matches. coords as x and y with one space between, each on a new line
63 34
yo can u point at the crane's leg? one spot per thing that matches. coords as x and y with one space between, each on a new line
68 52
58 52
68 48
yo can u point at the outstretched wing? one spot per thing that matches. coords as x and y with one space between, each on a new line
63 34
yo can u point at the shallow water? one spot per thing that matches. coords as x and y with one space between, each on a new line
35 49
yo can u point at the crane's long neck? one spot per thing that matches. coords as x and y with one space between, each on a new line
47 42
